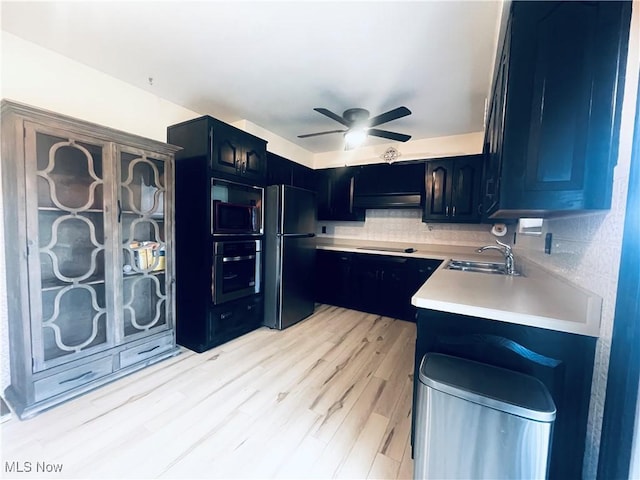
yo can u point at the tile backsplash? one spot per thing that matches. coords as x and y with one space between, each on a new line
405 225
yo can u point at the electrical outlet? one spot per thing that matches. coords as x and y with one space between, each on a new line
324 229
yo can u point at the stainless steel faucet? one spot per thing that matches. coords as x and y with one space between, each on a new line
507 251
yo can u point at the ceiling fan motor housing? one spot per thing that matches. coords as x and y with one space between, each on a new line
356 116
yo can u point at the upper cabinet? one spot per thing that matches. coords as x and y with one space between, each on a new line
381 185
335 190
553 126
282 171
232 154
452 188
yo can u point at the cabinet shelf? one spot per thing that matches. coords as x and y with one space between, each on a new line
57 284
131 275
68 212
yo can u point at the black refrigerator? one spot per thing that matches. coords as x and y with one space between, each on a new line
290 253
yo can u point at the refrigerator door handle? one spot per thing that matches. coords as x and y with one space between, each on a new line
296 235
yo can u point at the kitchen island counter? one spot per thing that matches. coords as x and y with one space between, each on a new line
538 298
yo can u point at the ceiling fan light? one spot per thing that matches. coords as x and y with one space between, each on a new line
355 137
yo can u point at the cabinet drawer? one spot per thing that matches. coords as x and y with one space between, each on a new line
146 350
72 378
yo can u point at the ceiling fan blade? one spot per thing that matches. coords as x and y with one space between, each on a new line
399 137
320 133
388 116
333 116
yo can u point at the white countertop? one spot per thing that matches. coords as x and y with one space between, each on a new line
538 299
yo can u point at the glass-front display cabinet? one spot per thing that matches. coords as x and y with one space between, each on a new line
88 225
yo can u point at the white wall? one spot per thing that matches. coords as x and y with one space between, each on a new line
467 144
586 249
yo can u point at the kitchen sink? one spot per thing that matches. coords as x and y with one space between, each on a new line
481 267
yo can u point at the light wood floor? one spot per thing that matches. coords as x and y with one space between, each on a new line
327 398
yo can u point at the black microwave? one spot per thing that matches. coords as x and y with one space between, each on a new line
235 209
232 218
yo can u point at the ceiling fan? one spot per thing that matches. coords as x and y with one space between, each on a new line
359 125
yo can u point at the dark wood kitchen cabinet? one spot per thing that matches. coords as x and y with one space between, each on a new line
228 321
554 117
282 171
381 284
334 279
563 362
335 190
231 153
453 189
88 216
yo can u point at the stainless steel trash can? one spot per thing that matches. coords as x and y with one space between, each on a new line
477 421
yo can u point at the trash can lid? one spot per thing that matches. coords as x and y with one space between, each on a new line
494 387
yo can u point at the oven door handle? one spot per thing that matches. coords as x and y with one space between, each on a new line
238 259
230 277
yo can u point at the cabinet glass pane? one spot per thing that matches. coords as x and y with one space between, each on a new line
69 173
141 216
74 318
71 247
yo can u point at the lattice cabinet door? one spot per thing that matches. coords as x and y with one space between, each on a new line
145 228
68 244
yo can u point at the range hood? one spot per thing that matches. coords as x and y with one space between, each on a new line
387 200
389 186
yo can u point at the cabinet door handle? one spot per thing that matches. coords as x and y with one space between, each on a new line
149 350
446 210
85 374
489 188
351 184
454 211
119 211
211 146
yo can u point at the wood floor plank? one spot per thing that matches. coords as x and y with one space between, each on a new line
406 466
399 428
383 468
340 444
327 397
363 453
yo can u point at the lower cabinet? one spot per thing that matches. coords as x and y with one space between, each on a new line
220 323
232 319
334 281
562 361
381 284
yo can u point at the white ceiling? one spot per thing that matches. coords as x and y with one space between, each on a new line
272 62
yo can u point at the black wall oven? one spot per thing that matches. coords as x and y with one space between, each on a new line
236 269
